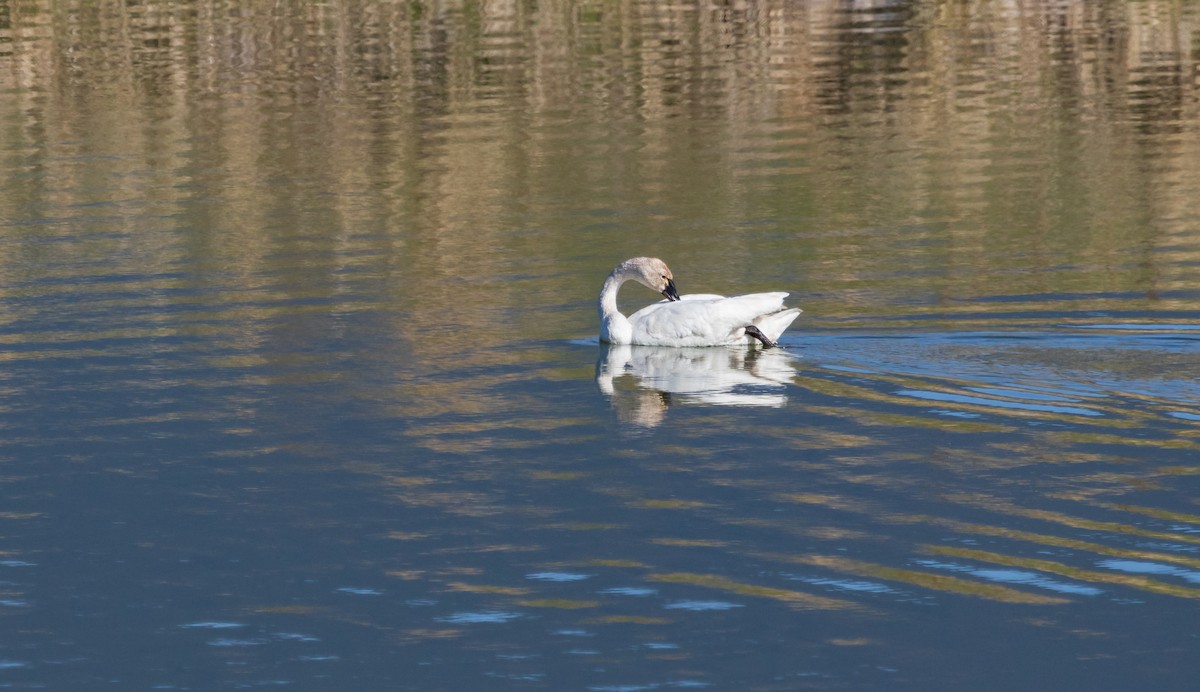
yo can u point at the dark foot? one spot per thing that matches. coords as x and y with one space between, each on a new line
757 334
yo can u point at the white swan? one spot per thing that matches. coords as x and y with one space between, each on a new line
692 320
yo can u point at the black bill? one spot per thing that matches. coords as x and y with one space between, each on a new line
669 292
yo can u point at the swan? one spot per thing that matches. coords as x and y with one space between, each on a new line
701 319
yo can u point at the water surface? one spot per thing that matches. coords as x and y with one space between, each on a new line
300 387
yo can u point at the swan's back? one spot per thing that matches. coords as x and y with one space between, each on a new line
711 320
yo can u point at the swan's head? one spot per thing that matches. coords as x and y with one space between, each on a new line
652 273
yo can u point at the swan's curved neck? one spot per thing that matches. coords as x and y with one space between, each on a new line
614 327
608 294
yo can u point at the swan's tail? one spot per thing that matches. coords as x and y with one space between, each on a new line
772 325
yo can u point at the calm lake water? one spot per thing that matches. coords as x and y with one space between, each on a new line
300 384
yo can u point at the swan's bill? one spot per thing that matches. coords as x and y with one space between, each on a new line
670 293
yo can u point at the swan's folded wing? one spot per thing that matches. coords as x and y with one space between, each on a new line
746 308
701 321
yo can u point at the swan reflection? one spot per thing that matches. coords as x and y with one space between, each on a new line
643 381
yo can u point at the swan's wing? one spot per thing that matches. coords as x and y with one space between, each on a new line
773 324
701 320
678 323
751 305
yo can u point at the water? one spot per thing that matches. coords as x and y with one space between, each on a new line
300 385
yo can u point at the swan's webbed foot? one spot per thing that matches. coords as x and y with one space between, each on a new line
755 332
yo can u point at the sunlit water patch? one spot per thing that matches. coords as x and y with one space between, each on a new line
479 618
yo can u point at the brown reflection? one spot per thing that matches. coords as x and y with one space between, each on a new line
1060 542
1006 507
443 147
558 603
927 580
1052 567
1162 559
797 599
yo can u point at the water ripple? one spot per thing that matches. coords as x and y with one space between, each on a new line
995 403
